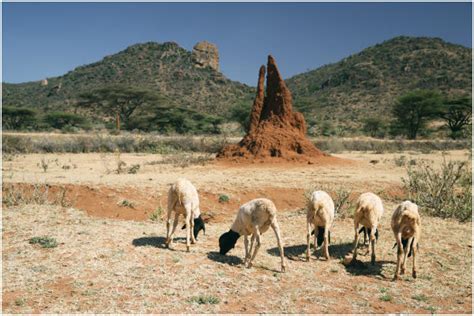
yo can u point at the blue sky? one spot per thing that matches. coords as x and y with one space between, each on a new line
48 39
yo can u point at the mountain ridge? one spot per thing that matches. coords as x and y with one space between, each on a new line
341 94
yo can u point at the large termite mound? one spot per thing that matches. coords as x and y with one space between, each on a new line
275 130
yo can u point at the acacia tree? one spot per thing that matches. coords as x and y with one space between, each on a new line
119 102
457 114
414 109
16 118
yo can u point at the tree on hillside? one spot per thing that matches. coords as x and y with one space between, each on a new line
414 109
240 113
457 114
373 126
119 102
61 119
17 118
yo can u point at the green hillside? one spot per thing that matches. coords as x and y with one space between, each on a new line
338 96
366 84
165 68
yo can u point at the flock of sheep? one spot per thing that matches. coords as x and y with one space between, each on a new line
256 216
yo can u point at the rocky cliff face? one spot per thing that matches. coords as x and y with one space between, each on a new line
206 54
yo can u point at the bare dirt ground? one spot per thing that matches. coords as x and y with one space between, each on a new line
110 257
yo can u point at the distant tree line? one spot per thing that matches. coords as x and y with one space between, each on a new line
120 107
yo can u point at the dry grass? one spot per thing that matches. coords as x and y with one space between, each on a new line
115 266
120 266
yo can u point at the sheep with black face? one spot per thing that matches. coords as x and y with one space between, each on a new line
369 211
320 215
406 226
253 218
183 199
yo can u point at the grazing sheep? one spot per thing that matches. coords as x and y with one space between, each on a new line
320 215
369 211
183 199
406 226
253 218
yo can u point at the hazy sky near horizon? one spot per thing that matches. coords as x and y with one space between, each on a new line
49 39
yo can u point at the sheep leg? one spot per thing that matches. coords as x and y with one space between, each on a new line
175 224
356 240
326 242
248 264
316 232
406 250
399 255
372 242
365 236
308 240
193 239
246 243
276 229
188 231
256 234
415 245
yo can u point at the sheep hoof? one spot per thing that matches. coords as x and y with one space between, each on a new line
283 269
188 249
402 271
395 278
248 265
414 274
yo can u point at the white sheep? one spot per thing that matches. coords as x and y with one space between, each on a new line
369 211
319 219
253 218
406 226
183 199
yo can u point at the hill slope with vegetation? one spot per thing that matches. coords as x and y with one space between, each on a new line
368 83
336 99
164 68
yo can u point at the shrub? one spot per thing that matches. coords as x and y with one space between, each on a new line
223 198
204 299
156 215
45 242
445 193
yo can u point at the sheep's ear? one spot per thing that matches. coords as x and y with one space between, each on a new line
184 226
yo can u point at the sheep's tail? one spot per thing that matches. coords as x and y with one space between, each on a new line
172 199
372 217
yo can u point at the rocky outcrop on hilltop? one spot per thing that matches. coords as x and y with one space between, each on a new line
275 130
206 54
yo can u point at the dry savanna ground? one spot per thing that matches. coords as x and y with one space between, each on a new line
110 232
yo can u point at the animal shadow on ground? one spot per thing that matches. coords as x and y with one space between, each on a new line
230 260
297 252
357 267
158 242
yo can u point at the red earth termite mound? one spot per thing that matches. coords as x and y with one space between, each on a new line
275 132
